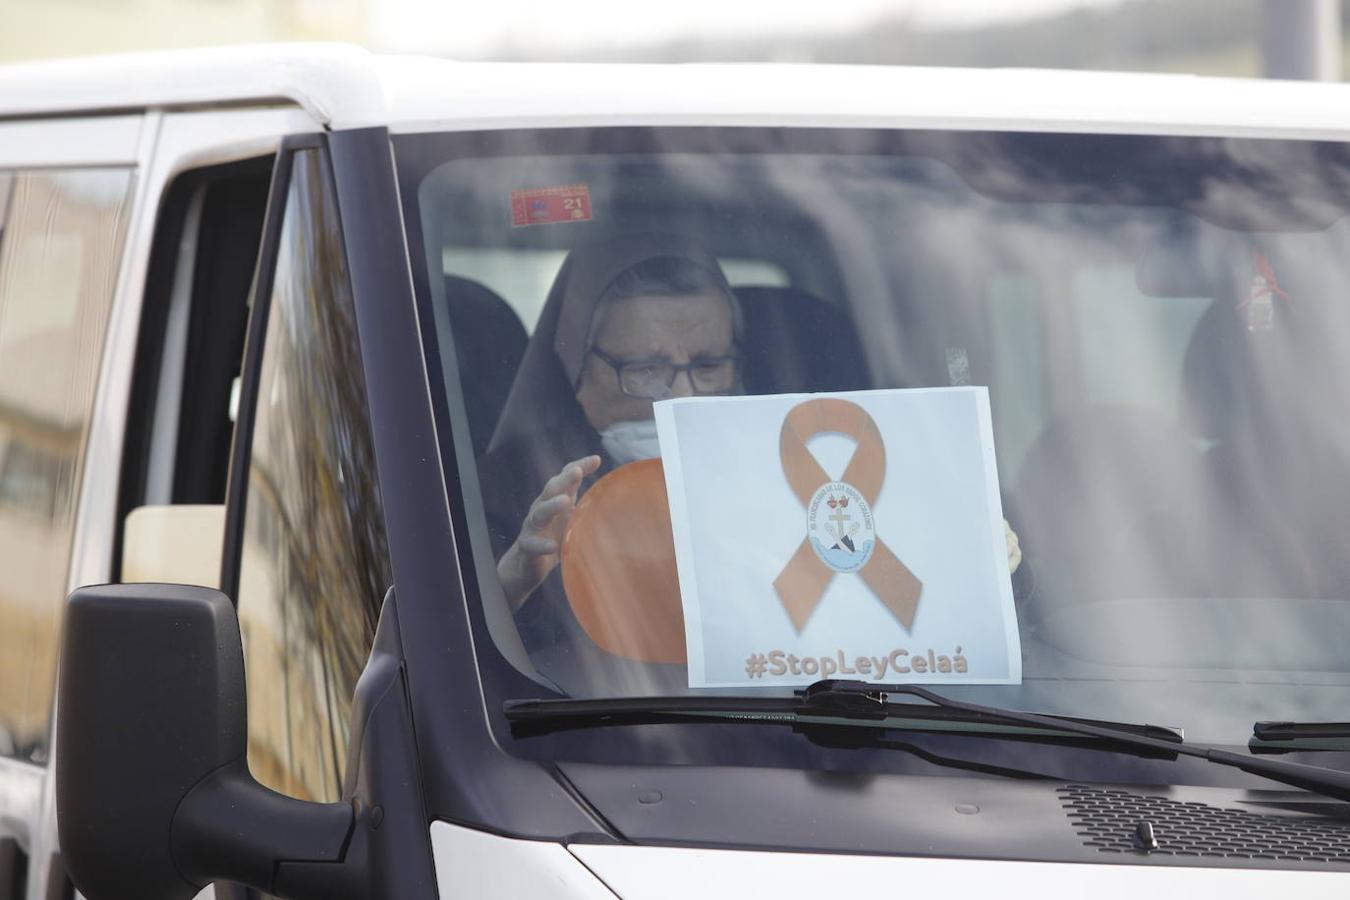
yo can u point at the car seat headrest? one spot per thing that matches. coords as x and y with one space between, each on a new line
796 342
489 343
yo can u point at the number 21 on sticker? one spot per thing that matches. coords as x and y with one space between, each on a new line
551 205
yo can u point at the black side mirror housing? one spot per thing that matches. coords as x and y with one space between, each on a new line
154 797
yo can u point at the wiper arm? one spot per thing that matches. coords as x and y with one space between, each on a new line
864 700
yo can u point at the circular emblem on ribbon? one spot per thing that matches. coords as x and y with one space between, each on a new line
840 528
841 531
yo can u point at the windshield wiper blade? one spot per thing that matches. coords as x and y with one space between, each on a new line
1298 737
1327 782
830 699
844 700
1293 731
532 717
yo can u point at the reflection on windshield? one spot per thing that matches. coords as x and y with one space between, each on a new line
1159 323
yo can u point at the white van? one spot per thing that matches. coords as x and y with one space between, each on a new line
313 362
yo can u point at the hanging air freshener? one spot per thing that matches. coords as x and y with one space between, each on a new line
1259 305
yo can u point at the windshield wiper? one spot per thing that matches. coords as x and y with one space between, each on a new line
842 700
1293 737
1292 731
831 700
1328 782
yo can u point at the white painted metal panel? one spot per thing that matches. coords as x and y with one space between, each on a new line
346 87
20 800
473 863
429 96
98 141
320 78
668 873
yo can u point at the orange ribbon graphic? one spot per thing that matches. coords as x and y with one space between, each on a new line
803 580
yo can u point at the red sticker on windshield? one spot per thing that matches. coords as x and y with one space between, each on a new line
546 206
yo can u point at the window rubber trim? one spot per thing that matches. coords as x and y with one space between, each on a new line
241 445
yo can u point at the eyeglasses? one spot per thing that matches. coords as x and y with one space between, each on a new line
651 379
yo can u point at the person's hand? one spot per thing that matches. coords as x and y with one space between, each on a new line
528 561
1014 548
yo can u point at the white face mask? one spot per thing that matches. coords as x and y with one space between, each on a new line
627 442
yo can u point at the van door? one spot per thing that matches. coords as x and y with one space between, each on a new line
306 558
303 556
93 236
214 172
66 204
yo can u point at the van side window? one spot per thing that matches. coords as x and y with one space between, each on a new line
59 250
313 562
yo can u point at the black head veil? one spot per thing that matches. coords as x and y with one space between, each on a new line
542 426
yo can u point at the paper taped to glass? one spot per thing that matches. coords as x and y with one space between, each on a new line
855 535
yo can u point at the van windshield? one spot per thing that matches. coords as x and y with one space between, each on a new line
1148 337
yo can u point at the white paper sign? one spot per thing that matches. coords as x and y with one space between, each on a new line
856 535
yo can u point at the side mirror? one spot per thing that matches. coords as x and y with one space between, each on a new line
154 797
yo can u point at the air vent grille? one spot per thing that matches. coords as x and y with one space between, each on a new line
1112 820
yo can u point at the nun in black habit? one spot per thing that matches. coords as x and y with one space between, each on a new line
628 321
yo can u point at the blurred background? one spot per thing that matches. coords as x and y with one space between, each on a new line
1280 38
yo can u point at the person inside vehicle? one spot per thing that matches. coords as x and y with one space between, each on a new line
628 321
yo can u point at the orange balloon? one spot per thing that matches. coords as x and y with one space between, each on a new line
618 566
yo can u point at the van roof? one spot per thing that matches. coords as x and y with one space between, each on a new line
346 87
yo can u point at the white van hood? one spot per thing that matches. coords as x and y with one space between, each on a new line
474 864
